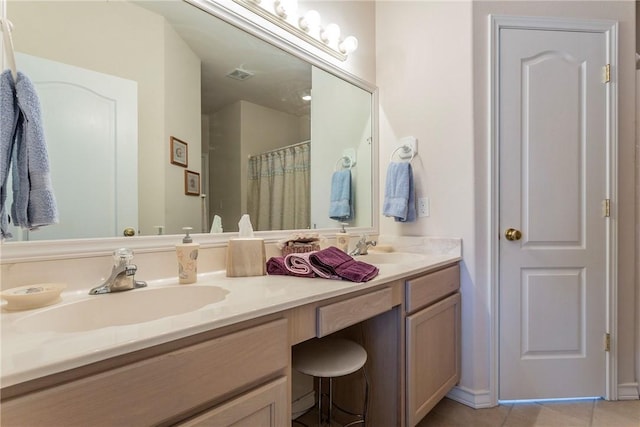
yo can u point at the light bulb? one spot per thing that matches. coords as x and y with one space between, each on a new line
348 45
331 33
285 8
310 21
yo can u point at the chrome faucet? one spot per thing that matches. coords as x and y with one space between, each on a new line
122 275
362 246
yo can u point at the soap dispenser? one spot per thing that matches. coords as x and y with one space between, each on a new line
342 238
187 253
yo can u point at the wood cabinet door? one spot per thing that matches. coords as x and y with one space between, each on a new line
265 406
433 356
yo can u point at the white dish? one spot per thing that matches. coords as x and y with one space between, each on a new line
32 296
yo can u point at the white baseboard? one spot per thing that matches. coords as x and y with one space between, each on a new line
628 391
482 398
474 398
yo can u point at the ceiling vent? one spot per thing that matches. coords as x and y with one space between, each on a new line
240 74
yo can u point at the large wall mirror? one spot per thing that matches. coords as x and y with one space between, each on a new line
160 115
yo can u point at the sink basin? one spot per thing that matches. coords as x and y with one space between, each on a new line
390 258
121 308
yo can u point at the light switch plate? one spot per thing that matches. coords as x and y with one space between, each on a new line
423 207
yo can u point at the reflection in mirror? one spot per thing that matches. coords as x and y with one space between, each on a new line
118 80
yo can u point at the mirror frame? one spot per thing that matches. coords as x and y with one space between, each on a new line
242 18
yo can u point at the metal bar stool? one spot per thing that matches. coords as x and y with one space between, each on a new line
331 358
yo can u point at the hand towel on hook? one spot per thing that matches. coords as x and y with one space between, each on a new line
8 123
34 204
399 194
340 206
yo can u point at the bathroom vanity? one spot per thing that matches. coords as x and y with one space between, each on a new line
229 363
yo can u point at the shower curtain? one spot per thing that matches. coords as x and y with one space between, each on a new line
278 184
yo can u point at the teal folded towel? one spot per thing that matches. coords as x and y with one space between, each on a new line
399 195
341 206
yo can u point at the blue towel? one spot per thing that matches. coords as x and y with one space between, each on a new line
34 204
9 114
340 206
399 195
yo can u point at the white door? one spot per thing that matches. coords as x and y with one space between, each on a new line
90 124
552 182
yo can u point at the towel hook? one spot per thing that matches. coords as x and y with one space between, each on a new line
7 27
347 162
407 152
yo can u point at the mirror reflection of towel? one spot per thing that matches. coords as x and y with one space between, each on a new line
23 139
399 194
341 207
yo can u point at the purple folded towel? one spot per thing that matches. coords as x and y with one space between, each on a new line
339 264
329 259
357 271
298 264
275 265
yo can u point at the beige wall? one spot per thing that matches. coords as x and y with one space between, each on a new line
431 60
182 117
238 131
424 74
224 161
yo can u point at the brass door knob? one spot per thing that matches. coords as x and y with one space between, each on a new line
512 234
129 231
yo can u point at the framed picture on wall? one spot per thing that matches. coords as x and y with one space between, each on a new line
179 152
191 183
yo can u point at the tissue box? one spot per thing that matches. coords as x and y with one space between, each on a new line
246 257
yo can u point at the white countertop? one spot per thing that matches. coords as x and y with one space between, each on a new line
30 355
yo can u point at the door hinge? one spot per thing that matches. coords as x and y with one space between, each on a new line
607 342
606 208
607 73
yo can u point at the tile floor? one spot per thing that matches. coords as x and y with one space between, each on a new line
583 413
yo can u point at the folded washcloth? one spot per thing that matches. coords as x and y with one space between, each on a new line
399 194
275 266
34 204
341 265
298 264
329 263
327 260
8 123
357 271
340 206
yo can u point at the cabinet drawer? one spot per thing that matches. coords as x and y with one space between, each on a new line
333 317
431 287
264 406
154 390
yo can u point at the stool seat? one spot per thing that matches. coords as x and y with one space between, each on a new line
328 357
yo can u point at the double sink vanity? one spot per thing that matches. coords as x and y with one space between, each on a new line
218 352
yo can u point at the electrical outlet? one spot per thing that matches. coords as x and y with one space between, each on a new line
423 206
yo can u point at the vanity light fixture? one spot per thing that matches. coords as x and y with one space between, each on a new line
310 21
348 45
330 34
308 27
